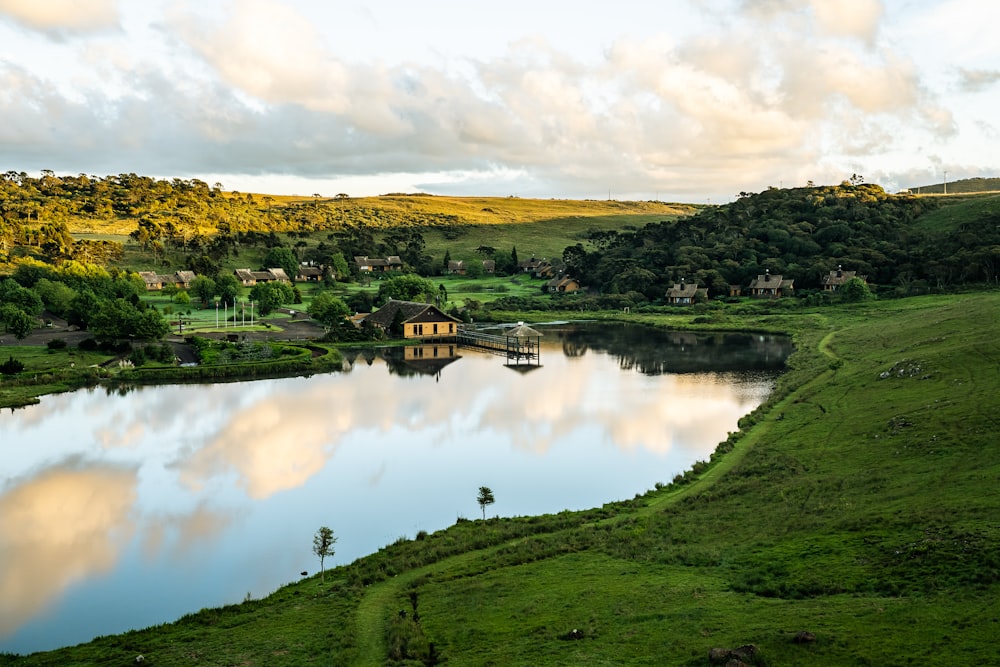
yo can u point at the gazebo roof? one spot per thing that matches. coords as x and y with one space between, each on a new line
522 331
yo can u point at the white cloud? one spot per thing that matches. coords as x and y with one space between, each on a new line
261 87
57 18
978 80
849 18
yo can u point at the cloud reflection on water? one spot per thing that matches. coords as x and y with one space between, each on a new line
60 527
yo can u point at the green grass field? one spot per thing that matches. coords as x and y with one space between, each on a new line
859 504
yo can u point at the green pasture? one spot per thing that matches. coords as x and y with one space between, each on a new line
857 505
952 217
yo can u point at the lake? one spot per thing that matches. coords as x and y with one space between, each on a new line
129 508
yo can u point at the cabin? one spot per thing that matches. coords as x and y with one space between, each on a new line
489 266
545 269
562 284
276 275
456 267
183 279
835 279
152 279
528 265
279 275
309 274
157 281
246 277
684 294
367 264
420 321
767 286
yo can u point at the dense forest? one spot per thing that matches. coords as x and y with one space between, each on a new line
802 234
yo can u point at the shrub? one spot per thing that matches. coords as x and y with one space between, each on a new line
56 344
11 367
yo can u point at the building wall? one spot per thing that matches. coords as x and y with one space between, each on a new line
428 329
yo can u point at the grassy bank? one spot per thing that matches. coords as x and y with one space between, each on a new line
857 505
51 372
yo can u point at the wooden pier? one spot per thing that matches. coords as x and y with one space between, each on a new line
520 343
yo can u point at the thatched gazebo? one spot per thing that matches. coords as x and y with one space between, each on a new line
523 347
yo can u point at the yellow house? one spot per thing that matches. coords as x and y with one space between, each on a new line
419 320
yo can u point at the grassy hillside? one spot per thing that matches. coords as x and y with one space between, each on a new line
859 505
963 186
960 213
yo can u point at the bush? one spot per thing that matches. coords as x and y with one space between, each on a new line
56 344
11 367
88 345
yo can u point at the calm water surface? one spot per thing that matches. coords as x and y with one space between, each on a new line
123 511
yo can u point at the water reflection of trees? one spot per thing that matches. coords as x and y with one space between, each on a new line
649 350
654 351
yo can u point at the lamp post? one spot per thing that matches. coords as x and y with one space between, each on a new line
216 314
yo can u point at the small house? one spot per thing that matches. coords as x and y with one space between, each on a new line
684 294
279 275
246 277
835 279
309 274
419 320
183 279
561 284
489 266
456 267
152 280
771 287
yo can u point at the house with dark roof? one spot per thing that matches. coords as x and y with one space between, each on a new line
771 287
456 267
418 320
367 264
833 280
684 293
309 274
561 284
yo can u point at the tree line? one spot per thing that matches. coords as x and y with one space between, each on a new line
799 233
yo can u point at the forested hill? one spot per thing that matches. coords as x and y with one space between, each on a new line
802 234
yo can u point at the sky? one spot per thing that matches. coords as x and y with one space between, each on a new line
671 100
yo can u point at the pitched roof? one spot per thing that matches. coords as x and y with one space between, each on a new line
279 274
839 277
411 312
245 275
522 330
185 276
682 290
768 281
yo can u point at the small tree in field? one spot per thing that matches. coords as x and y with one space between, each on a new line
485 498
323 542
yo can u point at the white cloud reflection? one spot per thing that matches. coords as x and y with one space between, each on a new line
58 528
